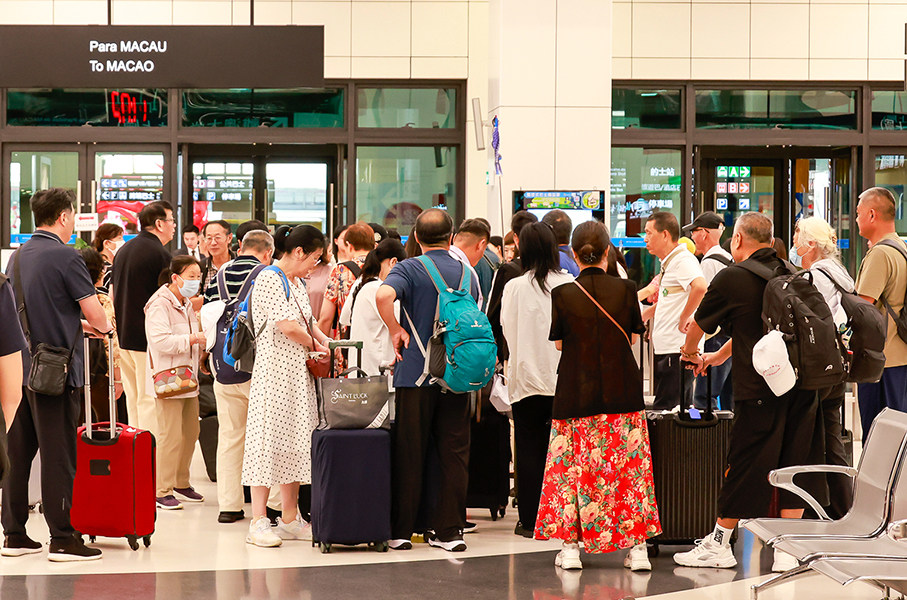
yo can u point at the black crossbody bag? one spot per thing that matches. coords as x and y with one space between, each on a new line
49 364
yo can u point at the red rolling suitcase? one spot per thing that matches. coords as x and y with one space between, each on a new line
114 489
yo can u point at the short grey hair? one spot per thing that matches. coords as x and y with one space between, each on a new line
258 241
755 226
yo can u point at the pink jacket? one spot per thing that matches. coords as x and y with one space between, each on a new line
168 326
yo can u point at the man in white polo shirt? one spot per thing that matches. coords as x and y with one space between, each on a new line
705 231
680 290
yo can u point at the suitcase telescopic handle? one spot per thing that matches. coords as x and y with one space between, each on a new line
111 388
683 418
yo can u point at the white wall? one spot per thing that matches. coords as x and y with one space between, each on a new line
759 39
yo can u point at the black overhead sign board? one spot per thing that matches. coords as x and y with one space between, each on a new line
152 57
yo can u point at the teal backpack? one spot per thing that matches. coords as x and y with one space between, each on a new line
461 352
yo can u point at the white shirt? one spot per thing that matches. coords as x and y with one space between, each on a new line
828 289
366 325
682 269
461 256
526 322
711 267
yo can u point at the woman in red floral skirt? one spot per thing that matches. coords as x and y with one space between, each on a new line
598 486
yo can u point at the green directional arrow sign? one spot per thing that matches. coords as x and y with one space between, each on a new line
744 171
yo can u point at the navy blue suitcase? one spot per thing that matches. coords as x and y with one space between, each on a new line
351 487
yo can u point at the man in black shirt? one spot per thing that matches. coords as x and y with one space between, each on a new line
505 273
769 432
136 268
51 280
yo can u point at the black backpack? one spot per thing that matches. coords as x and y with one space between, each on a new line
868 330
900 320
793 305
720 258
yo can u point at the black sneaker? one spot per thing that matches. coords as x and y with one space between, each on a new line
19 545
469 527
272 515
230 516
455 545
520 530
70 550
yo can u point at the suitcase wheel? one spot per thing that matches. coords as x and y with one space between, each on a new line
133 542
146 540
494 514
325 548
503 510
378 546
92 539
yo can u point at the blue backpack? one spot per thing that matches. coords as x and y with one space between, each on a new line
223 364
239 341
461 352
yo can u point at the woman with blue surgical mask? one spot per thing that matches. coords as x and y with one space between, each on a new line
175 342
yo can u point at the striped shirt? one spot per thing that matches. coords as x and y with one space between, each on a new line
235 273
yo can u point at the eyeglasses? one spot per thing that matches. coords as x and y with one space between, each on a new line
218 237
170 220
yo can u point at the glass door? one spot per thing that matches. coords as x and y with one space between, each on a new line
123 182
297 193
735 186
32 168
223 189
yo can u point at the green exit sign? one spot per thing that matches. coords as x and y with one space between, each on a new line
731 172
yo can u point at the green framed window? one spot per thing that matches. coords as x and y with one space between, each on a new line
284 108
127 107
776 109
645 108
411 108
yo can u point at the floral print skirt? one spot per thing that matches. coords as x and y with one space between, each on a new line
598 486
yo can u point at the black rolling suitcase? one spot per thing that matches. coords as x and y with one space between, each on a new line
489 458
351 485
689 455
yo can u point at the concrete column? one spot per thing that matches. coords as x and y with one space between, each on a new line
550 87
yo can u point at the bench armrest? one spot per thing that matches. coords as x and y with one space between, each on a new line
784 479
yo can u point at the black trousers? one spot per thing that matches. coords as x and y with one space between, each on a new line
48 423
669 380
424 412
531 431
840 487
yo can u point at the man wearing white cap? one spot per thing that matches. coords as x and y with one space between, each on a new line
769 432
705 231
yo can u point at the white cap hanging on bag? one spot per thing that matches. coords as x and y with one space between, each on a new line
772 362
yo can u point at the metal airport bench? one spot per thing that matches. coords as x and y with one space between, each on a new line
880 498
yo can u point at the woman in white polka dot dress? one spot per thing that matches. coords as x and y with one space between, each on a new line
282 403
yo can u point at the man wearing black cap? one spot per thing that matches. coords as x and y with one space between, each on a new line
705 231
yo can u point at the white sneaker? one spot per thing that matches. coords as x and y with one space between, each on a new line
707 553
260 534
451 546
784 562
568 557
297 529
637 558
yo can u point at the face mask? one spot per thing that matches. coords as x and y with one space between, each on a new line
117 246
190 287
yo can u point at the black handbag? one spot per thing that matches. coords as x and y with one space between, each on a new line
49 364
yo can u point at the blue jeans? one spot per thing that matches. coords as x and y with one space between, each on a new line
890 391
721 379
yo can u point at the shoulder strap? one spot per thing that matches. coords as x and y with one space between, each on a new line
283 278
20 299
352 266
834 281
720 258
607 314
247 283
433 273
221 279
764 272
